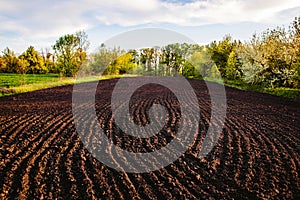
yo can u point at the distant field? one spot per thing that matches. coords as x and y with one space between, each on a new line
20 83
14 80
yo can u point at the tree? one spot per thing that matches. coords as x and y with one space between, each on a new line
70 51
295 46
48 59
171 57
220 53
22 65
202 61
253 60
2 65
175 55
121 65
189 71
103 58
35 62
267 59
148 58
233 68
11 61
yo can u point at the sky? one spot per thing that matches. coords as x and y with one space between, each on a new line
41 22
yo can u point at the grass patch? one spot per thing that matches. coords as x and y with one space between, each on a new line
20 83
283 92
15 80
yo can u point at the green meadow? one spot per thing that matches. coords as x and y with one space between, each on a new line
20 83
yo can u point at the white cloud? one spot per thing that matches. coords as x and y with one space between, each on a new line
67 15
194 13
39 20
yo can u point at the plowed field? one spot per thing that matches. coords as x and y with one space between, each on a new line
256 156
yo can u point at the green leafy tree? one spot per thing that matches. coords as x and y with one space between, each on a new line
295 48
103 58
35 62
70 52
202 61
175 56
2 65
23 65
148 59
267 60
11 61
233 68
125 63
189 71
220 53
48 59
121 65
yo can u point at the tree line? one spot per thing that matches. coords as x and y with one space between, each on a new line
69 53
269 59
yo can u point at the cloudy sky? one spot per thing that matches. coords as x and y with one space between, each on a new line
41 22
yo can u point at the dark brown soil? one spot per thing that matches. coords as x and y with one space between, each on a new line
42 157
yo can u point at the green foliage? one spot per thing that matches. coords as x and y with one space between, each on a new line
190 71
202 62
175 56
220 53
28 62
3 63
296 76
125 63
295 33
22 65
103 58
268 59
147 58
11 61
31 62
48 59
233 67
167 60
121 65
70 52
